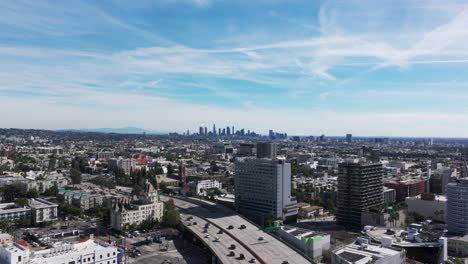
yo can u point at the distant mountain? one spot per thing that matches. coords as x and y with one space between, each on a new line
122 130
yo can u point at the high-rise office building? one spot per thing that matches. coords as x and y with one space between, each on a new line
349 138
228 131
360 187
206 131
200 131
457 200
266 150
214 129
263 189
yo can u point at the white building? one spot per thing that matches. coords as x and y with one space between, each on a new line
148 207
361 252
309 242
204 185
263 189
429 205
42 210
12 212
89 252
127 165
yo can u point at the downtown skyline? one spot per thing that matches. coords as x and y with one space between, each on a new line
308 68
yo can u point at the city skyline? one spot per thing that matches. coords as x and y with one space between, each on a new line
310 67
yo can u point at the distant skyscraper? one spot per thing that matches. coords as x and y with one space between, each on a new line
457 199
360 187
263 189
349 138
228 131
214 129
271 134
266 150
223 132
219 131
206 131
233 131
200 131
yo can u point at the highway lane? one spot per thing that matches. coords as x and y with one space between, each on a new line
261 245
219 248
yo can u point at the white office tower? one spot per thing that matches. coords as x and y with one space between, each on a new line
457 201
263 189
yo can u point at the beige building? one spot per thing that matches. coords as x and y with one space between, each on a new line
458 246
430 205
148 207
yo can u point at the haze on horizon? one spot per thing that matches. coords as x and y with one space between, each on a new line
370 68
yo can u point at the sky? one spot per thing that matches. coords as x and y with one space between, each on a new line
370 68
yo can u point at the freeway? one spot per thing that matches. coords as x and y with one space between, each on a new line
256 245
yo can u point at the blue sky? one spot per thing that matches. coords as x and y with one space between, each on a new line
390 68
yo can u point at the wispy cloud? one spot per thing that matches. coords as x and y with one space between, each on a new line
63 56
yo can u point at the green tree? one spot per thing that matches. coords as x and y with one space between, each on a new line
170 169
33 193
75 176
52 191
7 226
162 186
171 216
22 201
10 193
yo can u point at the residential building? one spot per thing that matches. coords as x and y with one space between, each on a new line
104 155
360 187
429 205
310 211
148 207
202 186
263 189
457 206
439 180
406 187
311 243
127 165
42 210
245 149
11 212
80 199
266 150
389 196
458 246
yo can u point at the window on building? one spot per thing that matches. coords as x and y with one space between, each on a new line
19 258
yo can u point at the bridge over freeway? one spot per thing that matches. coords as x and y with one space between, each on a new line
223 231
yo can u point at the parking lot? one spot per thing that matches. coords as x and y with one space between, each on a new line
147 248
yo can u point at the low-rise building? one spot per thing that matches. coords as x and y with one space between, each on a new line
310 211
42 210
429 205
80 199
363 252
458 246
13 213
204 185
148 207
89 251
309 242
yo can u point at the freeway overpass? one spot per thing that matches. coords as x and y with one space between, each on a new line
226 228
